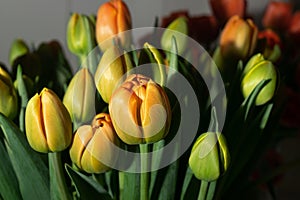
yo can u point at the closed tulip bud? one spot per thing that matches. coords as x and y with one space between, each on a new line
238 38
257 58
210 157
277 15
93 145
113 17
257 72
178 29
80 35
8 95
270 44
140 110
111 69
79 97
18 48
224 9
48 123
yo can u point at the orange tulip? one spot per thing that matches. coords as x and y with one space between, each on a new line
113 17
140 110
277 15
239 38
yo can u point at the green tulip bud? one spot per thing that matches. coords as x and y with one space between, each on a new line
140 110
252 62
18 48
209 158
79 97
80 35
255 73
92 149
8 95
112 66
179 30
48 123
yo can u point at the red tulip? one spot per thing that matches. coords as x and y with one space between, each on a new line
294 28
277 15
224 9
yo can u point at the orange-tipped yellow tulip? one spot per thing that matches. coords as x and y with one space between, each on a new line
48 123
93 145
140 110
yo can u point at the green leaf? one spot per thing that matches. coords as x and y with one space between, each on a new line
131 186
9 187
86 187
24 97
28 165
187 179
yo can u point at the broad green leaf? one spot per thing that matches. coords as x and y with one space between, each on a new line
131 186
86 187
9 187
30 169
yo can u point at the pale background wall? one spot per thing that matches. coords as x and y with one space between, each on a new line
42 20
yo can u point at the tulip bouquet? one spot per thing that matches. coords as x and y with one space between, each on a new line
187 111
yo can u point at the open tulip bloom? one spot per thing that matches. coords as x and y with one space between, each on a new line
149 116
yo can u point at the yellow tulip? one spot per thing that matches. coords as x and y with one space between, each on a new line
48 123
140 110
93 145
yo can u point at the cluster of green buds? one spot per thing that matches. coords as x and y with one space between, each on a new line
256 70
209 158
8 96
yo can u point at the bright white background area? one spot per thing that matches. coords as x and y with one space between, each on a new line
36 21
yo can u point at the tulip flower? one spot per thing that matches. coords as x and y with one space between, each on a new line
140 110
210 157
270 44
18 48
47 122
178 29
225 9
277 15
8 95
294 28
93 145
238 38
79 97
80 35
113 18
112 67
255 72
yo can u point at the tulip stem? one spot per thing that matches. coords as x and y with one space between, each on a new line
58 186
144 186
211 190
203 190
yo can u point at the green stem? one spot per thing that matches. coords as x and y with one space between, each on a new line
58 186
144 186
203 190
211 190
